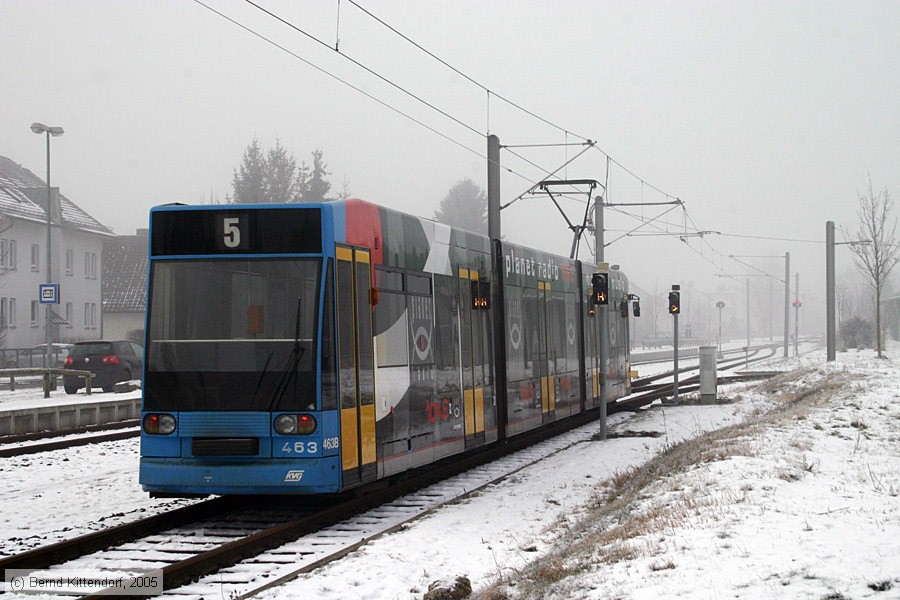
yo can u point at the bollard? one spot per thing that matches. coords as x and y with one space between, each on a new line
708 381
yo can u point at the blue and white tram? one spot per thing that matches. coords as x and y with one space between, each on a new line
310 348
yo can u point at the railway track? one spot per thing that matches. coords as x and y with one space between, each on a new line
250 544
646 392
19 445
213 536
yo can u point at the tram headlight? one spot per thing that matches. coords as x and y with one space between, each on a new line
295 424
159 424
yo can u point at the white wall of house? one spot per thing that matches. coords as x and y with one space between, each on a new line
76 267
116 325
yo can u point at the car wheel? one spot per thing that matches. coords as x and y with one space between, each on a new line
71 389
107 388
126 375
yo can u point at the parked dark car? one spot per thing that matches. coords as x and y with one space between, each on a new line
110 363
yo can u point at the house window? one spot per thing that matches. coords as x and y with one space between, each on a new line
12 254
35 257
70 262
5 256
7 313
34 313
90 265
90 315
69 313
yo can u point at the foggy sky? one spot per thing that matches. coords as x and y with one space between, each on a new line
765 118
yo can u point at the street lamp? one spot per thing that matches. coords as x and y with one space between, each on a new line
40 128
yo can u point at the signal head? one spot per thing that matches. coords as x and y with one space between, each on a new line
674 302
600 288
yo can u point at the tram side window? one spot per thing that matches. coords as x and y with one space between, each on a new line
390 319
346 342
329 375
366 349
390 330
446 330
556 317
465 325
421 320
515 334
533 333
571 335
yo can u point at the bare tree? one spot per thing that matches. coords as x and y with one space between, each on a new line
877 249
344 194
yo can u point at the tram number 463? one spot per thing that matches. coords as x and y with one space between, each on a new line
309 447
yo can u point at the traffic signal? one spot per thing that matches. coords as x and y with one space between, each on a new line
674 302
600 288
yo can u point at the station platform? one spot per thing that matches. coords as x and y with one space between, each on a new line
27 411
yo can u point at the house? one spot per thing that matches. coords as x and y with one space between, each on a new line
125 285
76 247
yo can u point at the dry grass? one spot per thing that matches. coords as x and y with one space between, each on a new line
636 509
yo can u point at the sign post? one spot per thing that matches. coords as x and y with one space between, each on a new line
48 293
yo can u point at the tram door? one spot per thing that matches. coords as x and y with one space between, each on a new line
548 384
356 365
471 344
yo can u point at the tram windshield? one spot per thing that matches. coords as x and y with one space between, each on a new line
232 335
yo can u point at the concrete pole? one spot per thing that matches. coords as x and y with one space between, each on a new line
603 313
748 313
796 314
493 154
829 291
675 360
787 301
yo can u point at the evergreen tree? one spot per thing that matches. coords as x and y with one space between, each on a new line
280 169
274 177
465 206
302 182
249 181
316 186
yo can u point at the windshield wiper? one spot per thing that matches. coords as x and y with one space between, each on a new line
289 372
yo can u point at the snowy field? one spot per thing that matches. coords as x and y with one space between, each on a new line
802 501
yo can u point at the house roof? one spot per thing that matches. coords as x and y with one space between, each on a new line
125 272
16 179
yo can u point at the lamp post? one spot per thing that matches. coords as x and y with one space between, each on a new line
40 128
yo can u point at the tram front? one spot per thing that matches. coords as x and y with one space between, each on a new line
233 398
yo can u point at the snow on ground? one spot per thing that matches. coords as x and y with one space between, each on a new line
812 512
806 505
52 496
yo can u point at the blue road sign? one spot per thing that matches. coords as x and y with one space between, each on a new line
49 293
